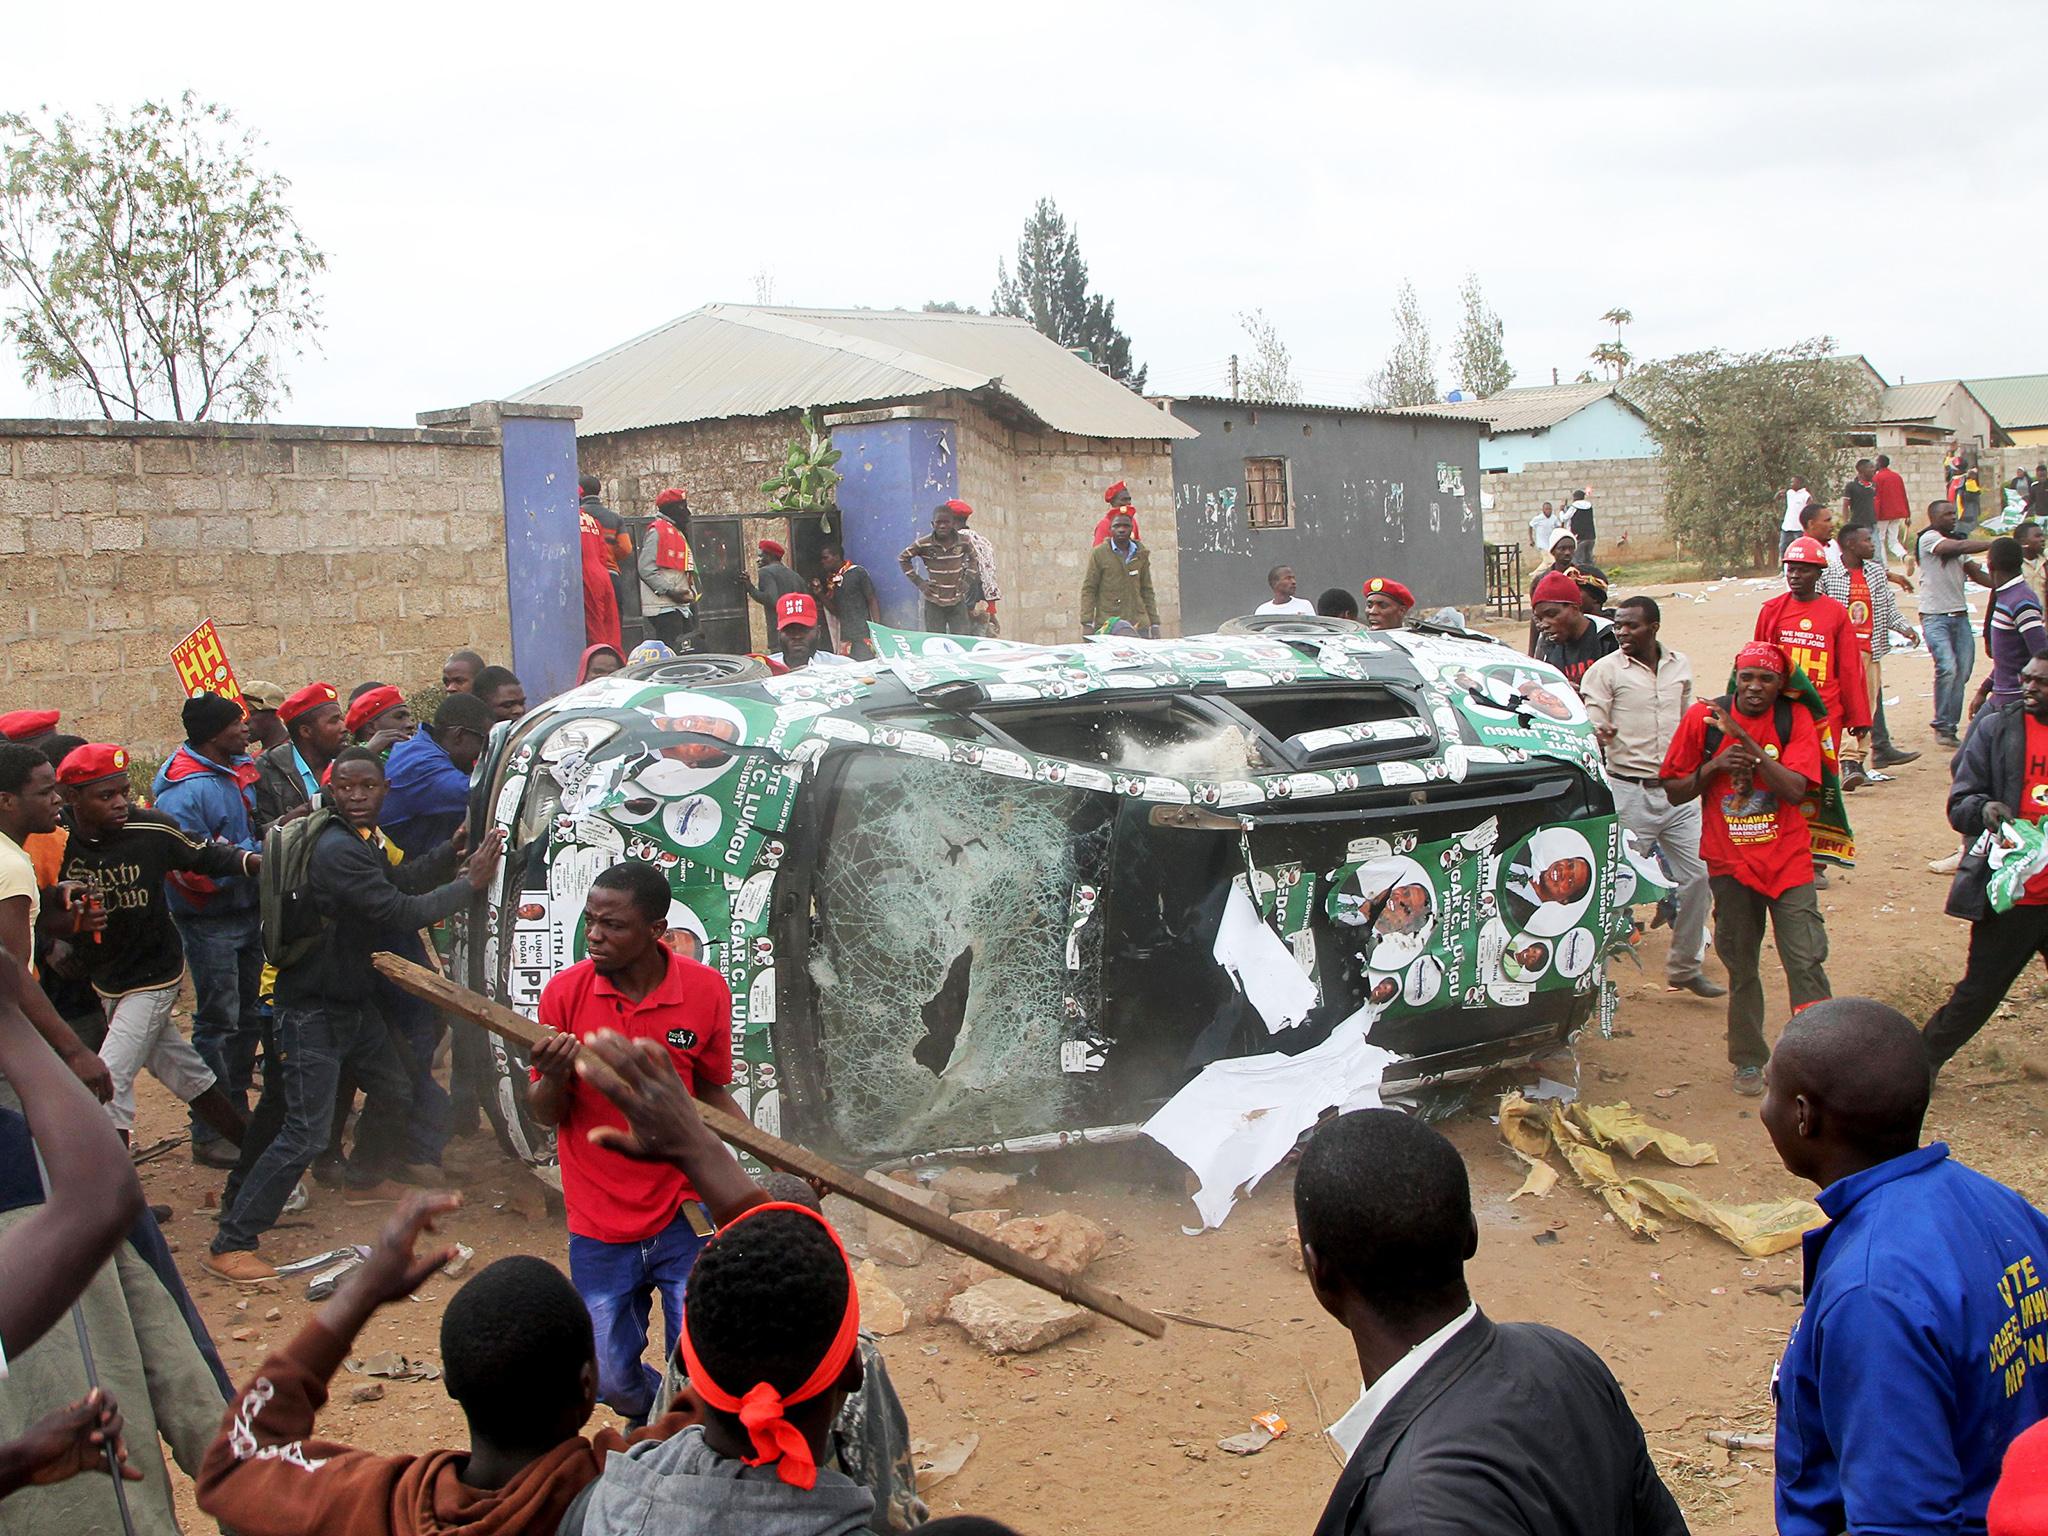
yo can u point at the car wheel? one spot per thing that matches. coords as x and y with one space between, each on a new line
1288 626
694 671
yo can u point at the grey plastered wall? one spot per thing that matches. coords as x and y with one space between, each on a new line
1365 494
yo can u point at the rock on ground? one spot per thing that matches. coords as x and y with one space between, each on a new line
1007 1316
881 1310
974 1188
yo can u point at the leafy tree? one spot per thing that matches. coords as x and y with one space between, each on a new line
1408 377
1050 289
948 307
1479 360
806 482
1270 375
1734 428
157 269
1613 356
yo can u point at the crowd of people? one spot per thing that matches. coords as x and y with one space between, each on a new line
289 841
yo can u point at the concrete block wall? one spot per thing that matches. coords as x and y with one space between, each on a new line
721 464
340 553
1628 505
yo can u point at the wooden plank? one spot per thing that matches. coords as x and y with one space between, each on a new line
519 1029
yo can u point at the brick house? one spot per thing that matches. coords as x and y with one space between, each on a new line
924 407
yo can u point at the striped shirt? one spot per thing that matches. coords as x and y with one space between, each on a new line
947 569
2013 635
1884 616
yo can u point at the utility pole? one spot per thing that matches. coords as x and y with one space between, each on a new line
1233 375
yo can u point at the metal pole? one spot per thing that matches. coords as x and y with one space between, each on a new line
92 1375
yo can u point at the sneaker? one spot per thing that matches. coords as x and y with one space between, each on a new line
383 1192
1853 777
1892 757
238 1265
1698 986
298 1199
1947 866
1749 1082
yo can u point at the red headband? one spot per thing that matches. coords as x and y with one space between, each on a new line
762 1409
1761 653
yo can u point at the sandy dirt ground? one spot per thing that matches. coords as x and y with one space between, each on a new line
1110 1431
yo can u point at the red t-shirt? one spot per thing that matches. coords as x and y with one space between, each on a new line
610 1196
1757 838
1821 641
1859 608
2034 795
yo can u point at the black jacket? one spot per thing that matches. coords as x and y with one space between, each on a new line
1510 1428
370 904
1991 766
140 948
278 787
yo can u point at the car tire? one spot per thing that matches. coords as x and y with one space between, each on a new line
691 670
1289 626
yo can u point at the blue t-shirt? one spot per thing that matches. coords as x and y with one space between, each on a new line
2014 635
1922 1351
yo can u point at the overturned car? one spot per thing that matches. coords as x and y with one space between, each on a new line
985 895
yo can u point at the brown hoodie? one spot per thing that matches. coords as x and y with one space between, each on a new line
265 1474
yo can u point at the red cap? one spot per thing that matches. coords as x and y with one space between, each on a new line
771 547
1762 653
369 706
1386 587
1804 551
92 762
795 608
960 509
1556 587
312 696
1113 492
21 724
670 497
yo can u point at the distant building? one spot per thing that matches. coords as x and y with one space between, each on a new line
1555 423
1943 411
2018 402
1338 492
924 407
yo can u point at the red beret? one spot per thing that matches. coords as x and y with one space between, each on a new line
1556 587
24 723
370 705
771 547
1113 492
312 696
959 509
670 497
795 608
1387 587
92 762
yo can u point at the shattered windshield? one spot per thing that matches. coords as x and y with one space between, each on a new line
941 957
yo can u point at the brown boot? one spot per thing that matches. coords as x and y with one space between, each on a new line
238 1265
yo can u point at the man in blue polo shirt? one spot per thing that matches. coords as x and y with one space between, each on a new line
429 774
1923 1348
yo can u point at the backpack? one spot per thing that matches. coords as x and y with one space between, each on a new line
292 925
1781 722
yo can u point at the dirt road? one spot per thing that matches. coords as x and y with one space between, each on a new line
1110 1432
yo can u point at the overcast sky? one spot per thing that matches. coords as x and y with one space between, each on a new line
505 190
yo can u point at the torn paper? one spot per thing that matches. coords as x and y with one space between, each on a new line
1262 965
1234 1123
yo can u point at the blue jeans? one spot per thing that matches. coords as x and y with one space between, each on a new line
419 1026
617 1282
225 956
313 1043
1953 644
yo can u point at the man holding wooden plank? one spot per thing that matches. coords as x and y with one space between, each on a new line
635 1227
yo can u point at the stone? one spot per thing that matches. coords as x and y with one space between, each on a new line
974 1188
984 1222
930 1199
894 1243
881 1310
1007 1316
369 1392
1069 1243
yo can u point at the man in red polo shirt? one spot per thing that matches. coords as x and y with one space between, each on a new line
631 1228
1750 759
1819 638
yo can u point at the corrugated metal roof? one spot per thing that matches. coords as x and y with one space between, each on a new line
2015 400
1913 402
1427 412
1527 410
728 360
